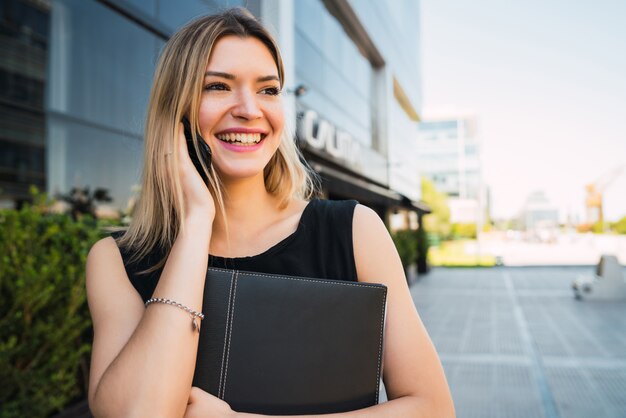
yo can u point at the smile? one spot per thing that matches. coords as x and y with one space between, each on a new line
242 139
240 142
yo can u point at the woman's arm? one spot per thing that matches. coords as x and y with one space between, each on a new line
143 359
414 378
412 370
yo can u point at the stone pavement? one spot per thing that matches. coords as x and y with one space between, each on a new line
515 343
567 249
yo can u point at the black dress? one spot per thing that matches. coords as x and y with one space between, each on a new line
320 247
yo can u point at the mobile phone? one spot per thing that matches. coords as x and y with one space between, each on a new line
205 150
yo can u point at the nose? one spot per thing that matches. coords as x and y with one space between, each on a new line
247 106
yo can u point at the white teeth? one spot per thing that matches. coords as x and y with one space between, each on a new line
240 137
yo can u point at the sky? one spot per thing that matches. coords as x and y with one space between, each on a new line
547 83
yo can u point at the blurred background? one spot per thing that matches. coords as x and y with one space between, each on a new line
488 135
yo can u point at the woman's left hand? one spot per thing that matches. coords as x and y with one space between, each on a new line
204 405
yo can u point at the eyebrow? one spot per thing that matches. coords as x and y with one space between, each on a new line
233 77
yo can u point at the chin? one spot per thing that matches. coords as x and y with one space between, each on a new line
240 171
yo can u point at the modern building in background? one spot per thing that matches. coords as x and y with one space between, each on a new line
539 214
449 156
24 52
76 76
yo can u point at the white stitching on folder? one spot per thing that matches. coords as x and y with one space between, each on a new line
380 346
278 276
230 331
230 294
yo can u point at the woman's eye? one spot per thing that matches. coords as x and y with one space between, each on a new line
216 86
271 91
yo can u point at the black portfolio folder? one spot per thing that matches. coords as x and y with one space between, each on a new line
286 345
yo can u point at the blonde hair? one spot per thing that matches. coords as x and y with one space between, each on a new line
176 92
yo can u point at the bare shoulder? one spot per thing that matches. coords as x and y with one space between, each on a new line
102 248
106 279
374 251
115 306
365 218
104 264
101 254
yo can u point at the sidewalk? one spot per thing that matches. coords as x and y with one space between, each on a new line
515 343
566 250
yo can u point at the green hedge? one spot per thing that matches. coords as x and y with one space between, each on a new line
406 244
619 226
464 230
45 327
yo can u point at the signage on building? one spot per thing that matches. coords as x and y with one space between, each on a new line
324 136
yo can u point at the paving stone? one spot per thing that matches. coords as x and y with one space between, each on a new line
515 343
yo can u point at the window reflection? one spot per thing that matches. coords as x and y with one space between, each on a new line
329 62
23 34
100 75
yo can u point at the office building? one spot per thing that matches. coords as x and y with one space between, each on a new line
76 77
449 156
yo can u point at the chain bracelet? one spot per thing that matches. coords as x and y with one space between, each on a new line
194 325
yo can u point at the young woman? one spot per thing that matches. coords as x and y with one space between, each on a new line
224 73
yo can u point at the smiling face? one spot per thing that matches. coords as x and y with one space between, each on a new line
241 115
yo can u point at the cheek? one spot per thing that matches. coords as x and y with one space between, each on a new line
276 117
206 114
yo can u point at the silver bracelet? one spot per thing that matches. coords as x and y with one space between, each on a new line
194 325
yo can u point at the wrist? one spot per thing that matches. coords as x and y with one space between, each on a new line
199 217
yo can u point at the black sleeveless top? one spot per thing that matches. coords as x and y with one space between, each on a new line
320 247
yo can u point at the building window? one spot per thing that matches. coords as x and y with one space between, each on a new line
340 78
23 57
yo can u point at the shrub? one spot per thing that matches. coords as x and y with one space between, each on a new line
45 327
437 222
598 228
619 226
406 244
423 245
464 230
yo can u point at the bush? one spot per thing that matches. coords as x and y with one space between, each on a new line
422 250
598 228
45 327
438 221
406 244
619 226
464 230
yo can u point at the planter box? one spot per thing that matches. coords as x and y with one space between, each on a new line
411 274
79 410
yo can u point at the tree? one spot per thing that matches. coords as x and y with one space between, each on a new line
438 221
619 226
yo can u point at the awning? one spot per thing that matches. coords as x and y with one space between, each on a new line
359 189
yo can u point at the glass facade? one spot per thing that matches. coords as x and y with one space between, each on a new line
75 78
101 69
449 155
339 77
394 27
23 59
174 14
403 175
356 93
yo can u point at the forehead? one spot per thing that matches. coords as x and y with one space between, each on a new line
233 53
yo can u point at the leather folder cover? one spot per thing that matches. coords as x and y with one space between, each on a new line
287 345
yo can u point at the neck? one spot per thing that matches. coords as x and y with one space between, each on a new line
246 202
